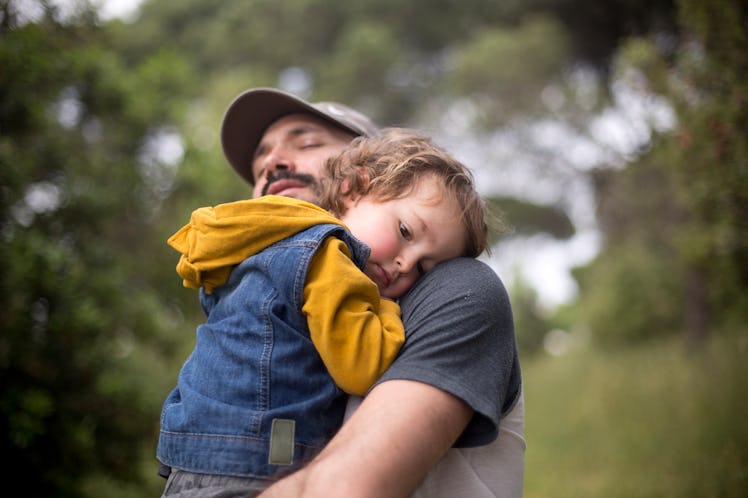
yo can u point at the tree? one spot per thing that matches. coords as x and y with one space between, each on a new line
81 320
682 204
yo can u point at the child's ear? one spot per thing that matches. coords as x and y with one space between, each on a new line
354 189
347 195
362 181
363 174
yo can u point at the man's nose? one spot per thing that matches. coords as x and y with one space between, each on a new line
277 162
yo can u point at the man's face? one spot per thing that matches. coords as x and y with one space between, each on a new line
290 156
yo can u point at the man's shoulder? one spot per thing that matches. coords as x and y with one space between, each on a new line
462 276
468 266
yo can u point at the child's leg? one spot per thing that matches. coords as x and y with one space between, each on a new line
181 484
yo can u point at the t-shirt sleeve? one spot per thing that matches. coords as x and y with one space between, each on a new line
460 338
355 331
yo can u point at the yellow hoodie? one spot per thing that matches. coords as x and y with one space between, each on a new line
356 332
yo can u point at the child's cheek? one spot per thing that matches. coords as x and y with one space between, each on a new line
405 283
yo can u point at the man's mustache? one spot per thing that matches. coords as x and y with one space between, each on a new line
274 177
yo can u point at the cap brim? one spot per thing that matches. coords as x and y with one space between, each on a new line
248 117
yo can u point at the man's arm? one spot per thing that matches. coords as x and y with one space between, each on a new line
399 432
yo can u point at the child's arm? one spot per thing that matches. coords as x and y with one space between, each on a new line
356 332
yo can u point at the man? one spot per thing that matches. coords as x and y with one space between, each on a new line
457 380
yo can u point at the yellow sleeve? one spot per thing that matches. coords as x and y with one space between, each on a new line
218 238
356 332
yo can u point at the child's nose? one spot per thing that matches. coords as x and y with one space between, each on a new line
405 263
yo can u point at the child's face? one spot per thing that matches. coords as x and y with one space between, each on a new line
407 236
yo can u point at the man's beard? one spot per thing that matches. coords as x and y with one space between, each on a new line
283 175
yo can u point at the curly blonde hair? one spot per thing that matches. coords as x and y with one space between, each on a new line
389 166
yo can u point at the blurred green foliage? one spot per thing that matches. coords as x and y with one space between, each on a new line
647 421
676 220
529 319
79 312
94 322
531 218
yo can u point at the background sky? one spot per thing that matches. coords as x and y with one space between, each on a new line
117 8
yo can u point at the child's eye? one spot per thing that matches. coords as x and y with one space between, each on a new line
404 231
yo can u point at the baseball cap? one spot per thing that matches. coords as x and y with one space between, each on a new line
250 114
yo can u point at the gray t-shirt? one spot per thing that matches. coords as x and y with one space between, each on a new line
460 338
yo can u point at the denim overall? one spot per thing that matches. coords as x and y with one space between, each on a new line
254 371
